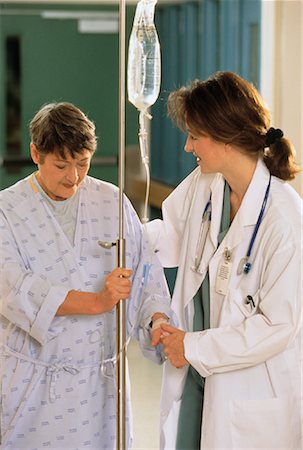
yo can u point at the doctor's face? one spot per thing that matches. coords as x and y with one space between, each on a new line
208 152
58 177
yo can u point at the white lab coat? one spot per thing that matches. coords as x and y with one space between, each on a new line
251 355
57 383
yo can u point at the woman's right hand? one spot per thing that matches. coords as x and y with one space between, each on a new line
117 286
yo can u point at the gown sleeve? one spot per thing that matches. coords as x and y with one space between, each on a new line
166 236
27 300
150 293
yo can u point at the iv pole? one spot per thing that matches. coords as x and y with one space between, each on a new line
121 308
120 244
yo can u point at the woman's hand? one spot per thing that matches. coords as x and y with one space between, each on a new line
157 320
117 286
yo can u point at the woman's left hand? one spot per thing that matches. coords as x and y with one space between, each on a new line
173 342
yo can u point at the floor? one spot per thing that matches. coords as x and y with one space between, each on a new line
145 379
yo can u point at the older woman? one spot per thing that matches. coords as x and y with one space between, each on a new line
58 291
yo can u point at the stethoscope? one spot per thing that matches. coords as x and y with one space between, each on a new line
245 264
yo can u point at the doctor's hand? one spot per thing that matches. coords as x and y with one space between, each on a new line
173 343
117 286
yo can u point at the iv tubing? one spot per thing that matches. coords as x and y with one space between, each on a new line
145 159
145 216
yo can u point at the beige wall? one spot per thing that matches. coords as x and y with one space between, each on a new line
282 70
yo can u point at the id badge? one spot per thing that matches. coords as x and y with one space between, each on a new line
223 277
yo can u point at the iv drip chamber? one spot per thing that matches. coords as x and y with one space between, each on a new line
144 58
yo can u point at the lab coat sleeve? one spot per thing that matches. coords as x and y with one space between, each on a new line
269 331
150 292
27 300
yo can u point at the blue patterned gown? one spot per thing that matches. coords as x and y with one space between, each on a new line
57 373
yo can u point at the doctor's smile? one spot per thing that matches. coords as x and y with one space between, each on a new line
198 159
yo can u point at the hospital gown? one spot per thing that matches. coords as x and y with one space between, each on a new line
57 372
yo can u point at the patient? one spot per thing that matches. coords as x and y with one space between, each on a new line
59 290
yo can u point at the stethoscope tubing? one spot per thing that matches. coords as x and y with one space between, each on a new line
207 212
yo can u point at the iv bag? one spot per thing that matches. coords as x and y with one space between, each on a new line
144 59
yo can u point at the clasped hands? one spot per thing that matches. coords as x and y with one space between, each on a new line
172 340
118 286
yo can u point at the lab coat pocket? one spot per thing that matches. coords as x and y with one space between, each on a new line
263 424
247 303
238 306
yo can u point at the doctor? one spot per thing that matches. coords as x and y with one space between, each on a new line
233 228
59 289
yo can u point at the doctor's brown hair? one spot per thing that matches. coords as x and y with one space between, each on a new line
230 110
58 127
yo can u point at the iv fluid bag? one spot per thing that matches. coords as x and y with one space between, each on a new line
144 59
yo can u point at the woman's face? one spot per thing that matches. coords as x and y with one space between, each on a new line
60 178
208 152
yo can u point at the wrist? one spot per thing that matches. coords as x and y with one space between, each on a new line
98 304
159 315
80 303
156 323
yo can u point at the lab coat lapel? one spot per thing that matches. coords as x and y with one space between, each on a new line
189 280
217 191
249 210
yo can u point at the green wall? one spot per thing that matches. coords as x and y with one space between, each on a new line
60 64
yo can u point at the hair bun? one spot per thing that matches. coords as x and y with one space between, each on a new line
273 135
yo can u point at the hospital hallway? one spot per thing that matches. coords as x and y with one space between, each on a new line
145 379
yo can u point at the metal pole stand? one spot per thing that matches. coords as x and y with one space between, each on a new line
120 308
